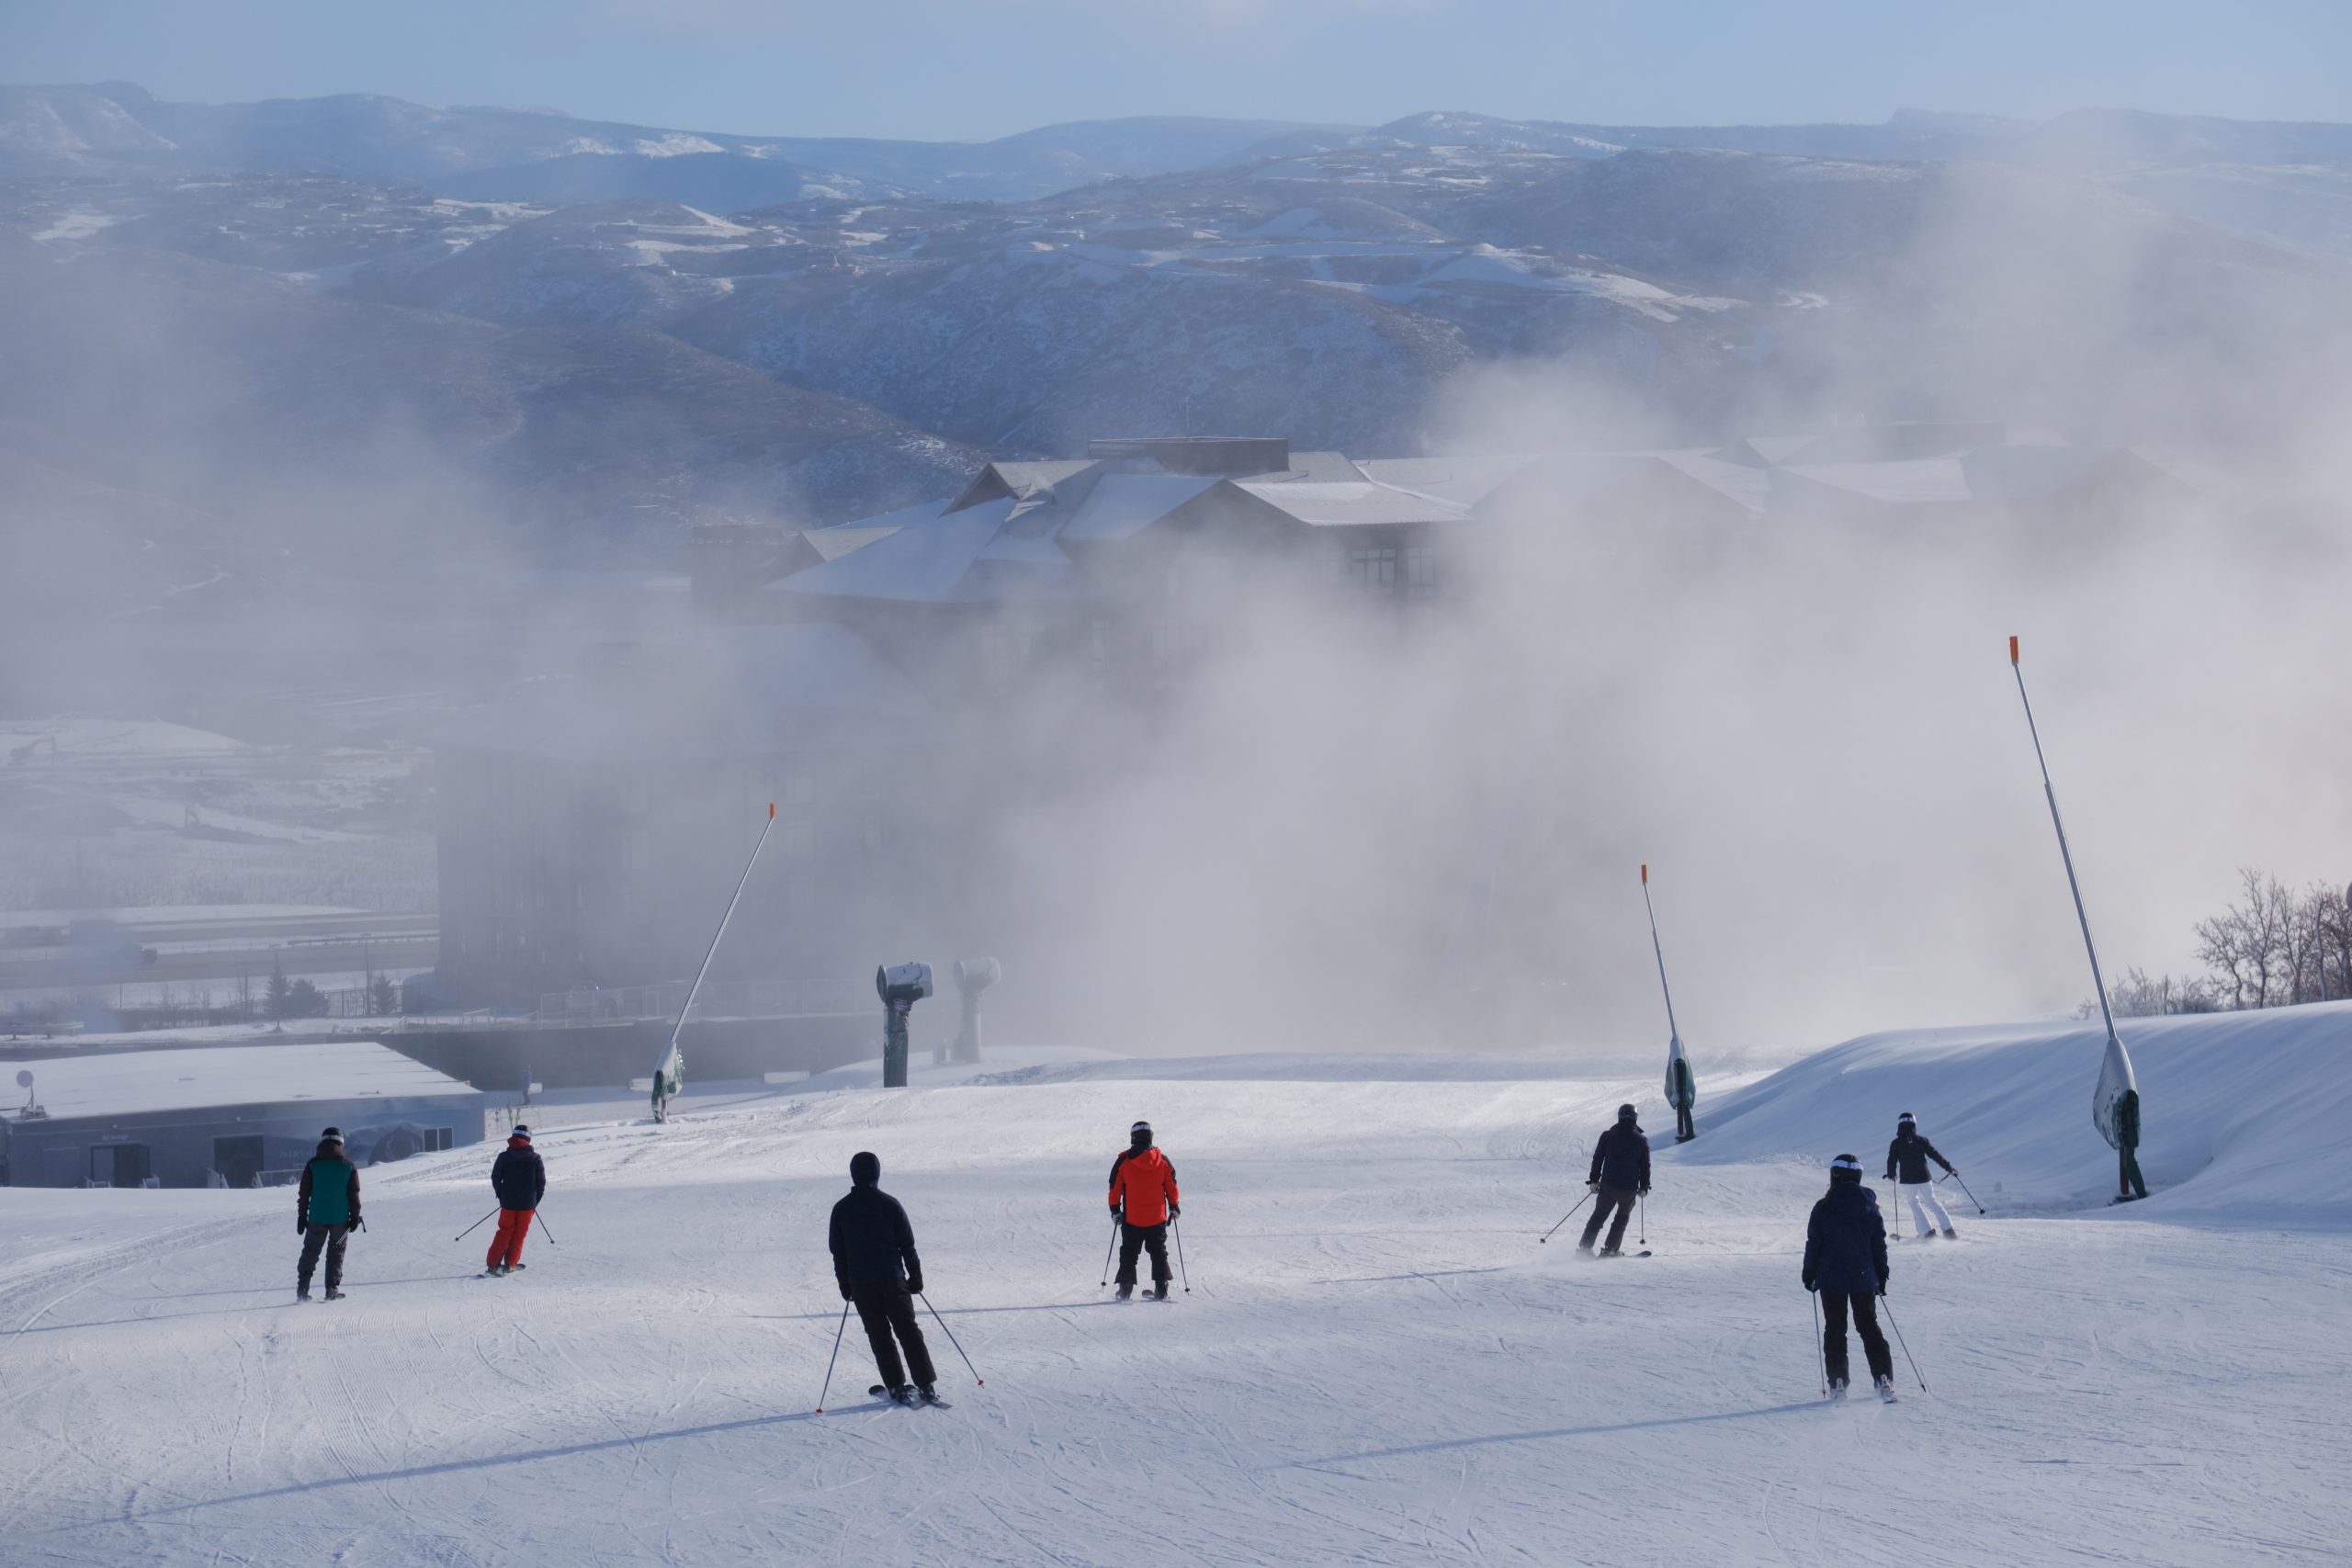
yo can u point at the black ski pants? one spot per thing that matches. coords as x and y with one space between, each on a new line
1617 1199
1834 1307
887 1309
331 1238
1133 1239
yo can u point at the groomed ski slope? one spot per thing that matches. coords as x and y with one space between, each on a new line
1376 1364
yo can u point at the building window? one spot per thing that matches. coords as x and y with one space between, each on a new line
1373 570
1421 572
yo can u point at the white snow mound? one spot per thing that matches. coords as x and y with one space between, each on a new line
2242 1114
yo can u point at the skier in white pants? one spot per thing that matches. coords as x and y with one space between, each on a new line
1906 1166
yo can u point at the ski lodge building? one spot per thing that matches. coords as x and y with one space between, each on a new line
848 672
226 1115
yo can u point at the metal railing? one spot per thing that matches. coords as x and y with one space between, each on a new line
725 999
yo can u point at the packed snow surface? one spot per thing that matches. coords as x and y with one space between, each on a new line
1377 1362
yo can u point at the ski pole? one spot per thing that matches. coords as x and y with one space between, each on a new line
1177 1226
978 1380
1641 1199
1820 1346
1893 1210
1564 1220
1963 1187
1110 1249
543 1229
1898 1340
475 1226
831 1359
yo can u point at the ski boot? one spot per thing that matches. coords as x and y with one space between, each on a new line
1951 1234
1613 1252
1124 1292
301 1292
334 1295
903 1395
1886 1386
1159 1291
1837 1388
930 1395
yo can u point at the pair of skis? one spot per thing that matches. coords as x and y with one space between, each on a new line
879 1391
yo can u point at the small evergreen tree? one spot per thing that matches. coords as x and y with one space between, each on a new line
304 1000
276 1001
383 997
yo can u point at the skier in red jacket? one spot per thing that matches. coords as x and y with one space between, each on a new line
1143 1200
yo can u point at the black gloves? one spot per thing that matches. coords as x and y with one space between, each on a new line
1882 1287
914 1285
1175 1211
1646 1189
1809 1284
299 1225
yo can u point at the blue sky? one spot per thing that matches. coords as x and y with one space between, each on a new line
979 68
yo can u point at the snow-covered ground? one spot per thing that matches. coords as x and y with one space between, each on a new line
1377 1362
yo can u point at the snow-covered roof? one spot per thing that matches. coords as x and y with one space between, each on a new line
1125 504
1464 480
922 563
1343 503
838 540
136 1083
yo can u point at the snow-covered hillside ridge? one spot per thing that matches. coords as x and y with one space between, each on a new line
2245 1115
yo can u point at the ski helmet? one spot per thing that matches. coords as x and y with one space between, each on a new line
864 1168
1625 1113
1907 1119
335 1132
1141 1133
1845 1168
520 1132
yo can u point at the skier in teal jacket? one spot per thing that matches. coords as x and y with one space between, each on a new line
326 1206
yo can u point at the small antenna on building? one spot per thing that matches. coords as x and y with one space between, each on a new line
32 1100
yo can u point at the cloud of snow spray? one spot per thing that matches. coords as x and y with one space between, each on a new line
1339 832
1352 828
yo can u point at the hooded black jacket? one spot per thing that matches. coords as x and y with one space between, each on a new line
519 1178
1845 1243
1907 1157
872 1242
1620 1157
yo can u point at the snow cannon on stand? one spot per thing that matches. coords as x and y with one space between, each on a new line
901 986
973 976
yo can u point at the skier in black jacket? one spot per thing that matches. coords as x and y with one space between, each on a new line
1845 1259
1621 1172
876 1265
520 1179
1906 1166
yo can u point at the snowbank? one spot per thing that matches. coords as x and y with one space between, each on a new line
2245 1116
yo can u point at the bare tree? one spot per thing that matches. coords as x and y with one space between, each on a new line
2246 945
2137 995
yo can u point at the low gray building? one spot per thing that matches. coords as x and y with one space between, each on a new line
226 1115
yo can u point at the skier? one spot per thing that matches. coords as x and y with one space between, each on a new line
1143 1200
1621 1172
520 1179
326 1205
1845 1259
2127 1143
1906 1166
876 1265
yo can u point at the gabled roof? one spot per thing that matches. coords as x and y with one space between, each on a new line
1122 505
920 563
